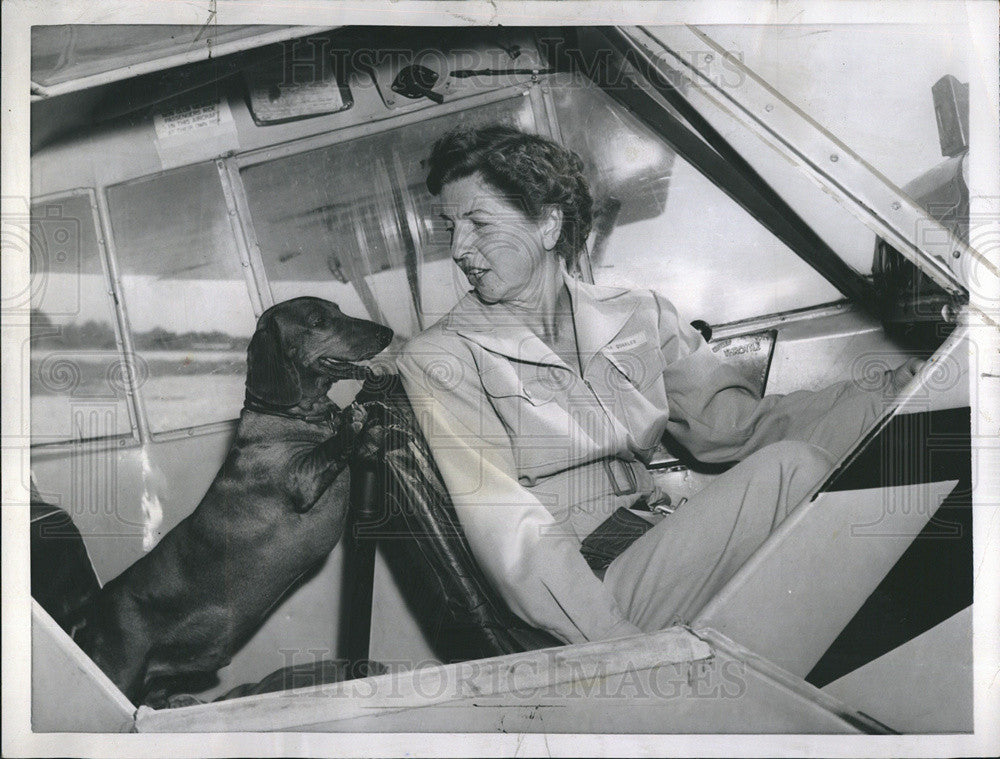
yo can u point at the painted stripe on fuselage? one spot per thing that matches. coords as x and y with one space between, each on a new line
932 580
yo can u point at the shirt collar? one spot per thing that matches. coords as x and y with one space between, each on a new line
599 314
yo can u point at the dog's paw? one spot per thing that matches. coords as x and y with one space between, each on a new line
378 440
356 416
351 422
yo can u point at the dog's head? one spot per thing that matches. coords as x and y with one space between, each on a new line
304 345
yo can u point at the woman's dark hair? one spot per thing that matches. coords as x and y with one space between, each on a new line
526 168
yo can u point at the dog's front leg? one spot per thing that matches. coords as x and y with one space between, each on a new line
315 470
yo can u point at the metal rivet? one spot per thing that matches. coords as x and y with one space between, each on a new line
895 205
956 254
768 107
709 57
835 158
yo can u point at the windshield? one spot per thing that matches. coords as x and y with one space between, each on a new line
868 84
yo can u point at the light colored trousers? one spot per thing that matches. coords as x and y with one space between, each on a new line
668 574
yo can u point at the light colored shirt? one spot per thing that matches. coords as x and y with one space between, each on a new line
520 437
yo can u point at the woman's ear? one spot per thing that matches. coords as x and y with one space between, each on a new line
551 225
271 376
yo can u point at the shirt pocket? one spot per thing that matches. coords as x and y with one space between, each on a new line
640 368
502 382
544 436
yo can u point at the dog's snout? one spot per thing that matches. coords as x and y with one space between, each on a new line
375 338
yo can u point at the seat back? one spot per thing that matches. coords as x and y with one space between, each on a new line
62 575
414 520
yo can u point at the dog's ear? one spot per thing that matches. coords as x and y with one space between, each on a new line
271 376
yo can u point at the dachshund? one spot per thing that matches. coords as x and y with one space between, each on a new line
275 510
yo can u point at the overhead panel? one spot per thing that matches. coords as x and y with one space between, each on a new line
71 57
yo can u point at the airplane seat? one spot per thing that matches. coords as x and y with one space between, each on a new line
408 510
62 575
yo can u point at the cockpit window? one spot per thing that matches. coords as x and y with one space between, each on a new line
354 223
908 116
660 224
185 294
78 381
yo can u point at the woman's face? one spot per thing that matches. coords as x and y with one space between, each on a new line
502 252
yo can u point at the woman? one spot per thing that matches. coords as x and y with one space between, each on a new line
541 396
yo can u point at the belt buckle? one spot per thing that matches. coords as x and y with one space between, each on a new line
667 507
629 475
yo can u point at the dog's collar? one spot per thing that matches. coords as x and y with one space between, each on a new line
326 416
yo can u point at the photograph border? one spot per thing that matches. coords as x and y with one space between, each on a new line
20 15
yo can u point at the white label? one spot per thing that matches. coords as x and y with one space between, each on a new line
195 132
191 118
627 343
